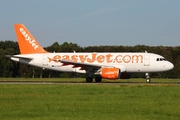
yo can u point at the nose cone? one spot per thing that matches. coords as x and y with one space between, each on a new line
169 66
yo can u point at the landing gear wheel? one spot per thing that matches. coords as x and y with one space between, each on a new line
98 79
89 79
148 80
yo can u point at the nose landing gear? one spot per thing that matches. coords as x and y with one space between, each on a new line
148 80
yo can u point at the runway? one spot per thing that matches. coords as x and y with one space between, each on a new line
83 83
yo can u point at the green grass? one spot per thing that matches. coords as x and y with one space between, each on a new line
89 101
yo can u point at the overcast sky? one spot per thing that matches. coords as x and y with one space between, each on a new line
94 22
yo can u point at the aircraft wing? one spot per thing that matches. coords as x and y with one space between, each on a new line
88 66
84 66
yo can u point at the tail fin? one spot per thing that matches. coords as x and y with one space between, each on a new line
27 43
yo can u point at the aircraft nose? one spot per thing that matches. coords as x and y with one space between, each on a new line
170 66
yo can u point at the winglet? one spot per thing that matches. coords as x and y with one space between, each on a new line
27 43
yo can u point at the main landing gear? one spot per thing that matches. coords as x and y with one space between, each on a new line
97 79
148 80
89 79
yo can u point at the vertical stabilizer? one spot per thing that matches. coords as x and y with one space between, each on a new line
27 43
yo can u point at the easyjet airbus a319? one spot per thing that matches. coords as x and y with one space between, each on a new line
101 65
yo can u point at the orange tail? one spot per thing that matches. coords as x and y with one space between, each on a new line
27 43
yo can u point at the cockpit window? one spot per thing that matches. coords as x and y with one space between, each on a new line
164 59
160 59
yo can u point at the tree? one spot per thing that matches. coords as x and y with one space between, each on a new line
10 68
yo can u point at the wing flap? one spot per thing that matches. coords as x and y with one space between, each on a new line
83 66
88 66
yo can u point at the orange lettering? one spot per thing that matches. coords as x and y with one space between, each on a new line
93 58
56 58
83 58
100 58
118 60
65 57
108 58
74 58
136 58
126 58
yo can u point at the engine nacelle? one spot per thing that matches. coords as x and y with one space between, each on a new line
110 73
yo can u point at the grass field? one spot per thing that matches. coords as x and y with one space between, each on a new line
89 101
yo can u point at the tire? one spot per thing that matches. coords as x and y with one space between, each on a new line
98 79
148 80
89 79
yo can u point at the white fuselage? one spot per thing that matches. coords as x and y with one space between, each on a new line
127 62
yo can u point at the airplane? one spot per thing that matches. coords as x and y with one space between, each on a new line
101 65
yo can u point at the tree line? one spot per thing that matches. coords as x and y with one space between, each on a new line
10 68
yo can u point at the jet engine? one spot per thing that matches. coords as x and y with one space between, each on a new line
110 73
